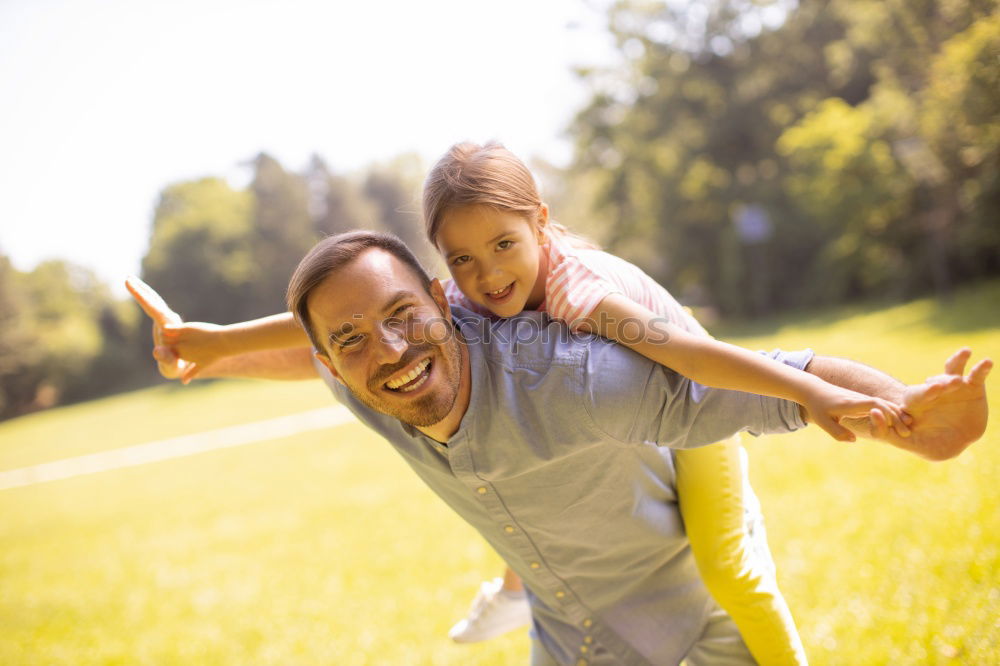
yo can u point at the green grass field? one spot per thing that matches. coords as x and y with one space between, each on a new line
323 548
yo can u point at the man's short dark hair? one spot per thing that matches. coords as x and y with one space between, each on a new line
332 254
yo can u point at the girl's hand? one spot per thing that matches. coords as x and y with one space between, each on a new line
198 344
169 364
181 350
828 404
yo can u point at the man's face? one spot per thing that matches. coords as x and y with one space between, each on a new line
387 339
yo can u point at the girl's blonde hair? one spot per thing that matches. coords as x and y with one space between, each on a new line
489 175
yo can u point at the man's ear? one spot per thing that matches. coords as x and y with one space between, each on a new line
437 293
325 360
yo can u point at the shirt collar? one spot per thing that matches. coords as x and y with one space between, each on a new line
473 328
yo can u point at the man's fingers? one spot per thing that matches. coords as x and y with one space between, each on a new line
956 364
151 302
939 386
980 371
932 391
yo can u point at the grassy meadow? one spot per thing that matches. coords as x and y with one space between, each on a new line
323 548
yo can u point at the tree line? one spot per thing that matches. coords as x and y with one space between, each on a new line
757 161
751 156
216 253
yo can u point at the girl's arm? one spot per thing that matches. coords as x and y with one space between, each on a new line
722 365
201 345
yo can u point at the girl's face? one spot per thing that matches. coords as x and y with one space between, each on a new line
495 257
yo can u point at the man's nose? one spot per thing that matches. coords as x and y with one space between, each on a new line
392 345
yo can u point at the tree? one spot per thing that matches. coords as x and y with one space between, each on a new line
19 355
282 231
336 203
394 191
201 253
807 124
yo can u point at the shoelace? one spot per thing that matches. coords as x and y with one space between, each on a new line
479 604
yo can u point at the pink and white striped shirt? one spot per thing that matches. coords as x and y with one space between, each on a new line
580 278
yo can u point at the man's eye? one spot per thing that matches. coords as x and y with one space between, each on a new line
458 261
351 342
505 244
402 309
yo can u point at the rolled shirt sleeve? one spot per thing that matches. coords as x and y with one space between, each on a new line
637 401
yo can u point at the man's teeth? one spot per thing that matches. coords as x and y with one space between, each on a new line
409 377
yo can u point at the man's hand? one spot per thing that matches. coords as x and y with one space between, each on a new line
949 411
167 360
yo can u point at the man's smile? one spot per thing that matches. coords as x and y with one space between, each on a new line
412 379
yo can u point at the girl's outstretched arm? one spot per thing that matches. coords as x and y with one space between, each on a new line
200 344
722 365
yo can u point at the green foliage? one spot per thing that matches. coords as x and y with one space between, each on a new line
961 123
866 132
282 232
337 202
18 355
200 255
216 254
394 189
223 255
845 181
58 324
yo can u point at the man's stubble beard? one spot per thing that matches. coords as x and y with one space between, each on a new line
431 408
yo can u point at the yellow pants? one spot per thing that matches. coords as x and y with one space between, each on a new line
739 575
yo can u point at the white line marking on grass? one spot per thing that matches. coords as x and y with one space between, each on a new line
176 447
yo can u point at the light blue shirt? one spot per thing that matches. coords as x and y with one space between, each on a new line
562 463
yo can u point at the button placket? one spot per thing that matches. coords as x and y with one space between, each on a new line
461 463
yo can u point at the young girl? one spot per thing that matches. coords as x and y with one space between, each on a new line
483 213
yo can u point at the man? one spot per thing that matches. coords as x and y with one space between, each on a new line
553 446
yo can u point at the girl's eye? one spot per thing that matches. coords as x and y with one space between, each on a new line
458 261
505 244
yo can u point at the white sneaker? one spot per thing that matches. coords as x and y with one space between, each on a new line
493 613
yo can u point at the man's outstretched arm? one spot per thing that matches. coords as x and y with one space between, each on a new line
949 411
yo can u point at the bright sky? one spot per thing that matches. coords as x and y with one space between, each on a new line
106 102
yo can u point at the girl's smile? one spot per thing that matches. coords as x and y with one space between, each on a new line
501 295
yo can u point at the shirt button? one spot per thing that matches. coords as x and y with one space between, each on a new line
582 662
587 623
583 649
535 565
481 490
560 594
509 529
588 639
